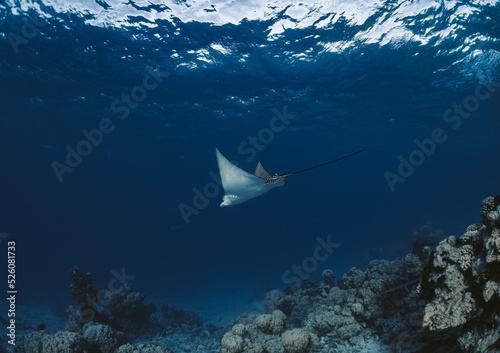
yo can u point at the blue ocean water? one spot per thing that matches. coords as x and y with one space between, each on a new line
167 83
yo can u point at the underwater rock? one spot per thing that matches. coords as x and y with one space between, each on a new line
127 311
487 206
462 283
334 321
454 308
484 337
273 300
102 337
82 286
426 237
32 342
328 278
94 338
86 297
299 341
312 288
263 334
413 266
369 287
381 300
142 348
75 320
273 324
455 305
61 342
232 342
491 290
448 302
124 308
239 330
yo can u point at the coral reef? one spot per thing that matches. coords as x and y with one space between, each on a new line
273 324
123 308
85 295
273 300
299 340
75 319
102 338
142 348
462 283
434 299
127 311
232 341
328 277
111 323
443 297
426 238
82 286
266 334
61 342
351 316
95 338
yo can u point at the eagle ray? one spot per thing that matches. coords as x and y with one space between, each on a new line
240 186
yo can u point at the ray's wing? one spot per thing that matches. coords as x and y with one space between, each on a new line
234 179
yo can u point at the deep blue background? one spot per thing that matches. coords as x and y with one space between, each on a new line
119 208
